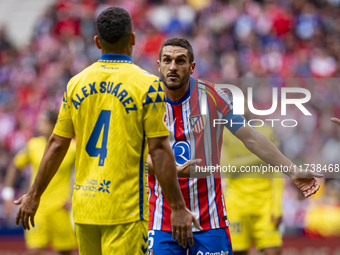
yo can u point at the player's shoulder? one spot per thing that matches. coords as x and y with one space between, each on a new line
81 76
145 81
209 87
207 84
218 93
143 74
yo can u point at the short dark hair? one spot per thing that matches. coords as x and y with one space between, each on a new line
114 24
181 42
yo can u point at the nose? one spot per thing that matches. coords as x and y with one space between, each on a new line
173 66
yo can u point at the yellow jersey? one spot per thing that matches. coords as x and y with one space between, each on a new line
59 189
112 107
255 194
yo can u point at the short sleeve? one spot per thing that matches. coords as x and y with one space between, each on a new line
154 111
21 159
225 107
64 126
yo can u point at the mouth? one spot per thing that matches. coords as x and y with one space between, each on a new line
172 76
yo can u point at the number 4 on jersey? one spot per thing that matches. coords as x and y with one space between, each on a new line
91 149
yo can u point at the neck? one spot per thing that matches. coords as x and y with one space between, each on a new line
125 51
178 94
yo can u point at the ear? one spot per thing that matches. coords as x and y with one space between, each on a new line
159 66
192 67
97 42
133 38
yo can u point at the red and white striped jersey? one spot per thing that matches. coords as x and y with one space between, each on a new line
192 135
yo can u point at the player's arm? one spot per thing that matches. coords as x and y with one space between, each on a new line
8 189
20 160
55 151
164 168
261 146
182 171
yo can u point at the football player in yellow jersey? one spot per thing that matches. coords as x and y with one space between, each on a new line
115 109
254 202
53 222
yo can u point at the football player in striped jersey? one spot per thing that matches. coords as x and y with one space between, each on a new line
193 135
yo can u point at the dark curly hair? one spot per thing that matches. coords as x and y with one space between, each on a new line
114 25
181 42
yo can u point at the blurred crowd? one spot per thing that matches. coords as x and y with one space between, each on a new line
232 39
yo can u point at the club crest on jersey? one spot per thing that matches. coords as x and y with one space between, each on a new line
197 123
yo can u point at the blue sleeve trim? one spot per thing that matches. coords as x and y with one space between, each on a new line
234 122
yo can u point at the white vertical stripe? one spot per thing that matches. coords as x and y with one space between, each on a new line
157 221
206 131
170 124
207 139
194 206
186 115
193 181
219 129
214 221
224 208
224 97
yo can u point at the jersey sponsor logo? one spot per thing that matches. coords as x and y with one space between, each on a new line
92 186
213 253
85 187
104 186
197 123
109 67
181 150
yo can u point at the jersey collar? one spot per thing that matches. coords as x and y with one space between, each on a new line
115 58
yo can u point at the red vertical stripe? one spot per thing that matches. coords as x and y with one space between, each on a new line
183 183
152 199
219 203
179 132
202 182
228 234
179 135
166 220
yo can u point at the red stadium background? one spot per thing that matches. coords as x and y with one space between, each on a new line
231 39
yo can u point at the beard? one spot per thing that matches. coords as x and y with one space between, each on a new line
178 84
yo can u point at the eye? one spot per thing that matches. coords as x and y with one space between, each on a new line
166 60
180 61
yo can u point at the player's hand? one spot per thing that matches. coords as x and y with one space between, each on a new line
188 168
305 181
181 226
28 208
336 121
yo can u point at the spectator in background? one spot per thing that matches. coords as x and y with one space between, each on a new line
254 200
53 223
